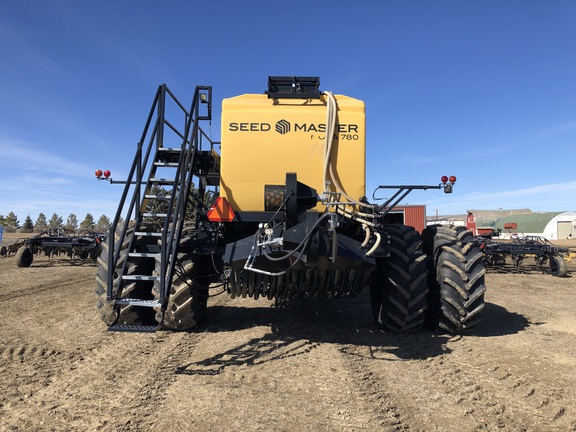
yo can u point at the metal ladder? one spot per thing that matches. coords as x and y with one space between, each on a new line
146 231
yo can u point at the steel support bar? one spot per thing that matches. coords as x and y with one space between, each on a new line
400 194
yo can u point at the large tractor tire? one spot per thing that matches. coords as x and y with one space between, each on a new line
108 314
24 257
455 277
129 314
188 297
398 289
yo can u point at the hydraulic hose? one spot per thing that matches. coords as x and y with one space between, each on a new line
376 244
297 252
329 174
328 139
302 244
331 118
367 237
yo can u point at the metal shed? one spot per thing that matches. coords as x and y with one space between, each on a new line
551 225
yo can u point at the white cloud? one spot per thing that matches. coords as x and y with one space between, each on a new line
23 157
37 180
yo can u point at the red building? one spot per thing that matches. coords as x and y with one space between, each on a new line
412 215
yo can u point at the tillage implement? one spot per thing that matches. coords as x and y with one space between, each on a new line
277 210
84 245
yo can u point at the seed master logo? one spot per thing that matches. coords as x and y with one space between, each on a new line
282 127
341 130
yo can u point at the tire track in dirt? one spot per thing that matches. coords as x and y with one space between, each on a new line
7 296
59 365
42 276
373 390
26 366
111 386
273 369
356 339
431 381
407 377
474 392
520 387
358 342
116 383
22 353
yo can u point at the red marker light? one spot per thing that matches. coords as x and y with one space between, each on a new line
107 173
444 179
452 179
98 173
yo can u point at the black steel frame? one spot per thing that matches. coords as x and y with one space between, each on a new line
401 193
519 249
62 238
192 140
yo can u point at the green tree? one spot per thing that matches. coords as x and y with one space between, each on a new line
41 224
2 220
55 222
88 223
103 224
28 226
11 222
71 222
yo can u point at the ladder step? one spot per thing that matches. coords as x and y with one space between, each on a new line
169 150
138 302
154 214
140 277
144 254
158 197
132 328
166 164
148 234
161 181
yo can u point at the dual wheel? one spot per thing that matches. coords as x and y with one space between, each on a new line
188 298
436 278
186 303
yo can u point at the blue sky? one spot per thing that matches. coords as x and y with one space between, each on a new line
484 90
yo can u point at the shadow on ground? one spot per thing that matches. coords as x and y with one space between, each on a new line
304 325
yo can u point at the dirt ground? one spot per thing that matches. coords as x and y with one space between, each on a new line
317 366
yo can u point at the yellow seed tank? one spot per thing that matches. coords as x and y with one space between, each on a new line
264 138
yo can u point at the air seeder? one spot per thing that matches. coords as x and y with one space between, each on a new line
277 209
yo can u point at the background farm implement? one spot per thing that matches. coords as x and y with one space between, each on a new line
84 245
543 251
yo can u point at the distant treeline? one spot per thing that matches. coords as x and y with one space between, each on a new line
12 224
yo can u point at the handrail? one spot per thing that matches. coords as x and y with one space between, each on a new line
176 213
133 208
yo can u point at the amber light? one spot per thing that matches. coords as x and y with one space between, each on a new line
452 179
444 179
98 173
